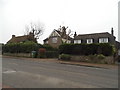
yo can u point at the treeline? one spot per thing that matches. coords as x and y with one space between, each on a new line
87 49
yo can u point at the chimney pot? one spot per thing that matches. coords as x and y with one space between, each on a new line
112 31
13 36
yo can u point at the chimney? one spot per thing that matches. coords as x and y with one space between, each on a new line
112 31
75 34
13 36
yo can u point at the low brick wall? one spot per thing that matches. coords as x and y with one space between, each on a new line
106 60
18 54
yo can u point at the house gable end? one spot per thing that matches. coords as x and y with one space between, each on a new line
54 34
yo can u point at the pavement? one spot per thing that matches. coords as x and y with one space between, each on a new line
109 66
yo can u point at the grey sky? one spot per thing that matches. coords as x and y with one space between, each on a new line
82 16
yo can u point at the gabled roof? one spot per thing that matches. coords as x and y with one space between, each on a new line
94 35
60 35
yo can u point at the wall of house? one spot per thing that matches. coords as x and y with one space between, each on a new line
55 45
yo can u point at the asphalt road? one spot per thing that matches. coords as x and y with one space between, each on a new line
18 73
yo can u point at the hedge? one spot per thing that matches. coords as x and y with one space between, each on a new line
25 47
29 46
87 49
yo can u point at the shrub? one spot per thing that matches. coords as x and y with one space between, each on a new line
25 47
41 53
106 49
92 57
64 57
87 49
100 56
49 48
52 54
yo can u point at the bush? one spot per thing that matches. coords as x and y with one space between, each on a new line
87 49
100 56
64 57
25 47
106 49
41 53
49 48
92 57
52 54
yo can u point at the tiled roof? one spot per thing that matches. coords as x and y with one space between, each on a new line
20 39
93 35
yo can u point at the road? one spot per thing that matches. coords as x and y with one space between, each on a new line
18 73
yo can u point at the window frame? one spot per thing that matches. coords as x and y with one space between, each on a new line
54 39
103 40
91 40
78 41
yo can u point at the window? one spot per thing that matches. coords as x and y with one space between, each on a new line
77 41
89 41
68 41
54 40
103 40
46 42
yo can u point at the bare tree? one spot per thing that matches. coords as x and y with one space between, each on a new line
35 28
69 34
65 33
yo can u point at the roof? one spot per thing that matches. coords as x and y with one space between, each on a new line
20 39
45 39
118 44
60 34
94 35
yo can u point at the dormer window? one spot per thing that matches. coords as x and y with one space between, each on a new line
103 40
77 41
89 41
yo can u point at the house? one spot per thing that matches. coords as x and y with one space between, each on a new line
104 37
24 38
57 37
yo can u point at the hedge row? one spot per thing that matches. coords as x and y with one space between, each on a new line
25 47
87 49
20 47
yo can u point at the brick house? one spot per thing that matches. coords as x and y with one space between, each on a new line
57 37
23 38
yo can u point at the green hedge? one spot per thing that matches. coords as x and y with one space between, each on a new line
25 47
87 49
52 54
49 48
29 46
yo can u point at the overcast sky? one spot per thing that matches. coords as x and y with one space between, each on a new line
82 16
